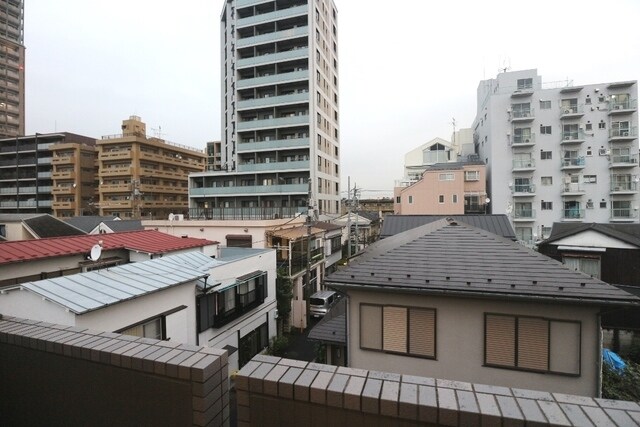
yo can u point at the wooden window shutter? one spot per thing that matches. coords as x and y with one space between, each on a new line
371 327
500 340
565 347
533 343
422 332
395 329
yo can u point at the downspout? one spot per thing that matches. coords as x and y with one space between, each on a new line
599 356
198 316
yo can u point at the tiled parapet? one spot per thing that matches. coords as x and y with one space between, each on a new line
197 375
280 392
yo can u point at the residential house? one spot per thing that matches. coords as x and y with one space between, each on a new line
34 226
451 300
30 260
104 224
359 229
331 331
496 224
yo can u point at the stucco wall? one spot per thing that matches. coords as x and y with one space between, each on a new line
460 343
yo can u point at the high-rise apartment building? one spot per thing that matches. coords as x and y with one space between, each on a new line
558 152
74 175
11 68
280 122
144 177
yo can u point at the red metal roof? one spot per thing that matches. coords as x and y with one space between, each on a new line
148 241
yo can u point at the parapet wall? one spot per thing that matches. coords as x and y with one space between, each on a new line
60 375
281 392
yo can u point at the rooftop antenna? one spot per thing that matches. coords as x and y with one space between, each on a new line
506 65
157 132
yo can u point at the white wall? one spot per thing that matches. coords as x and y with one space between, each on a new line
27 305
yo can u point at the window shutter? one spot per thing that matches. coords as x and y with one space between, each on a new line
371 327
422 332
395 329
565 347
533 343
500 340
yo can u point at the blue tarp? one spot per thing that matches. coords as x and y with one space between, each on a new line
613 360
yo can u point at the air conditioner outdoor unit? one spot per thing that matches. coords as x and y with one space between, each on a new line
568 111
526 141
617 107
178 217
567 138
602 152
625 133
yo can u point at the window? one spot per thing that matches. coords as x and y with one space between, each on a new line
441 198
588 126
603 205
532 344
410 199
150 329
546 232
546 180
524 234
446 177
545 130
394 329
587 264
397 199
590 179
545 155
253 343
472 175
525 83
602 125
545 105
454 198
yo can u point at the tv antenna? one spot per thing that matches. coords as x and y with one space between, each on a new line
157 132
506 65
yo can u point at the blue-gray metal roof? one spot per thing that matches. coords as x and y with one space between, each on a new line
85 292
496 224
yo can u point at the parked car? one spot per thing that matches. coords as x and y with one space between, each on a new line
321 302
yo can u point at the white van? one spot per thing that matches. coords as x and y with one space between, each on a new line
320 302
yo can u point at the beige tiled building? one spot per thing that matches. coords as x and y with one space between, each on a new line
74 178
11 68
144 176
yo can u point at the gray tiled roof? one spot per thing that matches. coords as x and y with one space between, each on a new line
47 226
332 328
459 259
87 223
124 225
629 233
496 224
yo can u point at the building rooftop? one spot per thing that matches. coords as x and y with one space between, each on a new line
454 258
332 328
496 224
147 241
453 165
629 233
43 225
88 223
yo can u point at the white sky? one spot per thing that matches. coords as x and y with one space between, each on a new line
405 68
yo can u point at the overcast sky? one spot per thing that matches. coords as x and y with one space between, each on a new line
405 68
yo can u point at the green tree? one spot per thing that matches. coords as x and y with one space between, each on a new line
284 294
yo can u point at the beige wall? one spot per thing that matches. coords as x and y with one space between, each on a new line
460 343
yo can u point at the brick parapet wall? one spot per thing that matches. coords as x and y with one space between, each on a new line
280 392
174 366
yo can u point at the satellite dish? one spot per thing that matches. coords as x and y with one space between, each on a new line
171 217
96 251
488 200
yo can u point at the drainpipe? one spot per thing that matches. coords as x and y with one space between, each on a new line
599 356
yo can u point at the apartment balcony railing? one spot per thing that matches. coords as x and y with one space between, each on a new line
522 115
273 37
273 100
249 190
572 163
623 214
25 203
244 213
523 140
245 3
299 263
524 214
244 303
623 107
573 137
272 16
623 161
572 189
573 214
273 166
524 165
271 145
571 111
523 190
273 79
301 52
626 134
624 187
26 190
273 123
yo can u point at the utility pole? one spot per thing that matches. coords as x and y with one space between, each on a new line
307 291
355 201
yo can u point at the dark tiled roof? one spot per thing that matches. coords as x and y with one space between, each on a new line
47 226
496 224
124 225
446 259
87 223
453 165
327 226
629 233
333 326
370 215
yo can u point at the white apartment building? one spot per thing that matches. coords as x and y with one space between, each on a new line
558 152
279 112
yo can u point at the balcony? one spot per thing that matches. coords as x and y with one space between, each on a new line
249 190
115 155
274 123
273 101
573 163
623 188
272 80
299 262
64 205
245 213
522 93
115 171
622 107
63 175
571 111
244 303
273 37
522 141
115 204
521 116
246 3
623 135
57 160
524 190
524 215
273 145
623 161
525 165
572 214
572 189
573 137
623 215
272 16
274 166
296 53
63 190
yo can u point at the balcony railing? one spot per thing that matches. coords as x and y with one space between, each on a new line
272 16
249 189
524 189
273 123
272 144
523 140
623 213
274 100
572 136
572 188
571 110
244 213
243 304
273 79
273 166
624 160
623 133
524 214
572 162
274 36
622 106
524 163
522 115
301 52
573 213
624 186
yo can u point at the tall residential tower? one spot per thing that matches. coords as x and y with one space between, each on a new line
280 131
11 68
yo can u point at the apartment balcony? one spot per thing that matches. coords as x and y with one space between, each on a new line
117 171
163 189
294 98
623 107
572 189
115 204
623 135
273 123
115 188
63 190
25 190
245 213
522 93
274 166
573 137
623 161
524 215
273 37
621 188
623 215
272 145
571 111
572 163
519 141
292 76
524 190
572 214
25 204
64 160
522 116
246 3
64 205
115 155
269 58
523 165
45 175
249 190
63 175
272 16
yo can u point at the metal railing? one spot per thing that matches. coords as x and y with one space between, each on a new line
524 213
244 213
573 213
524 188
623 213
573 161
